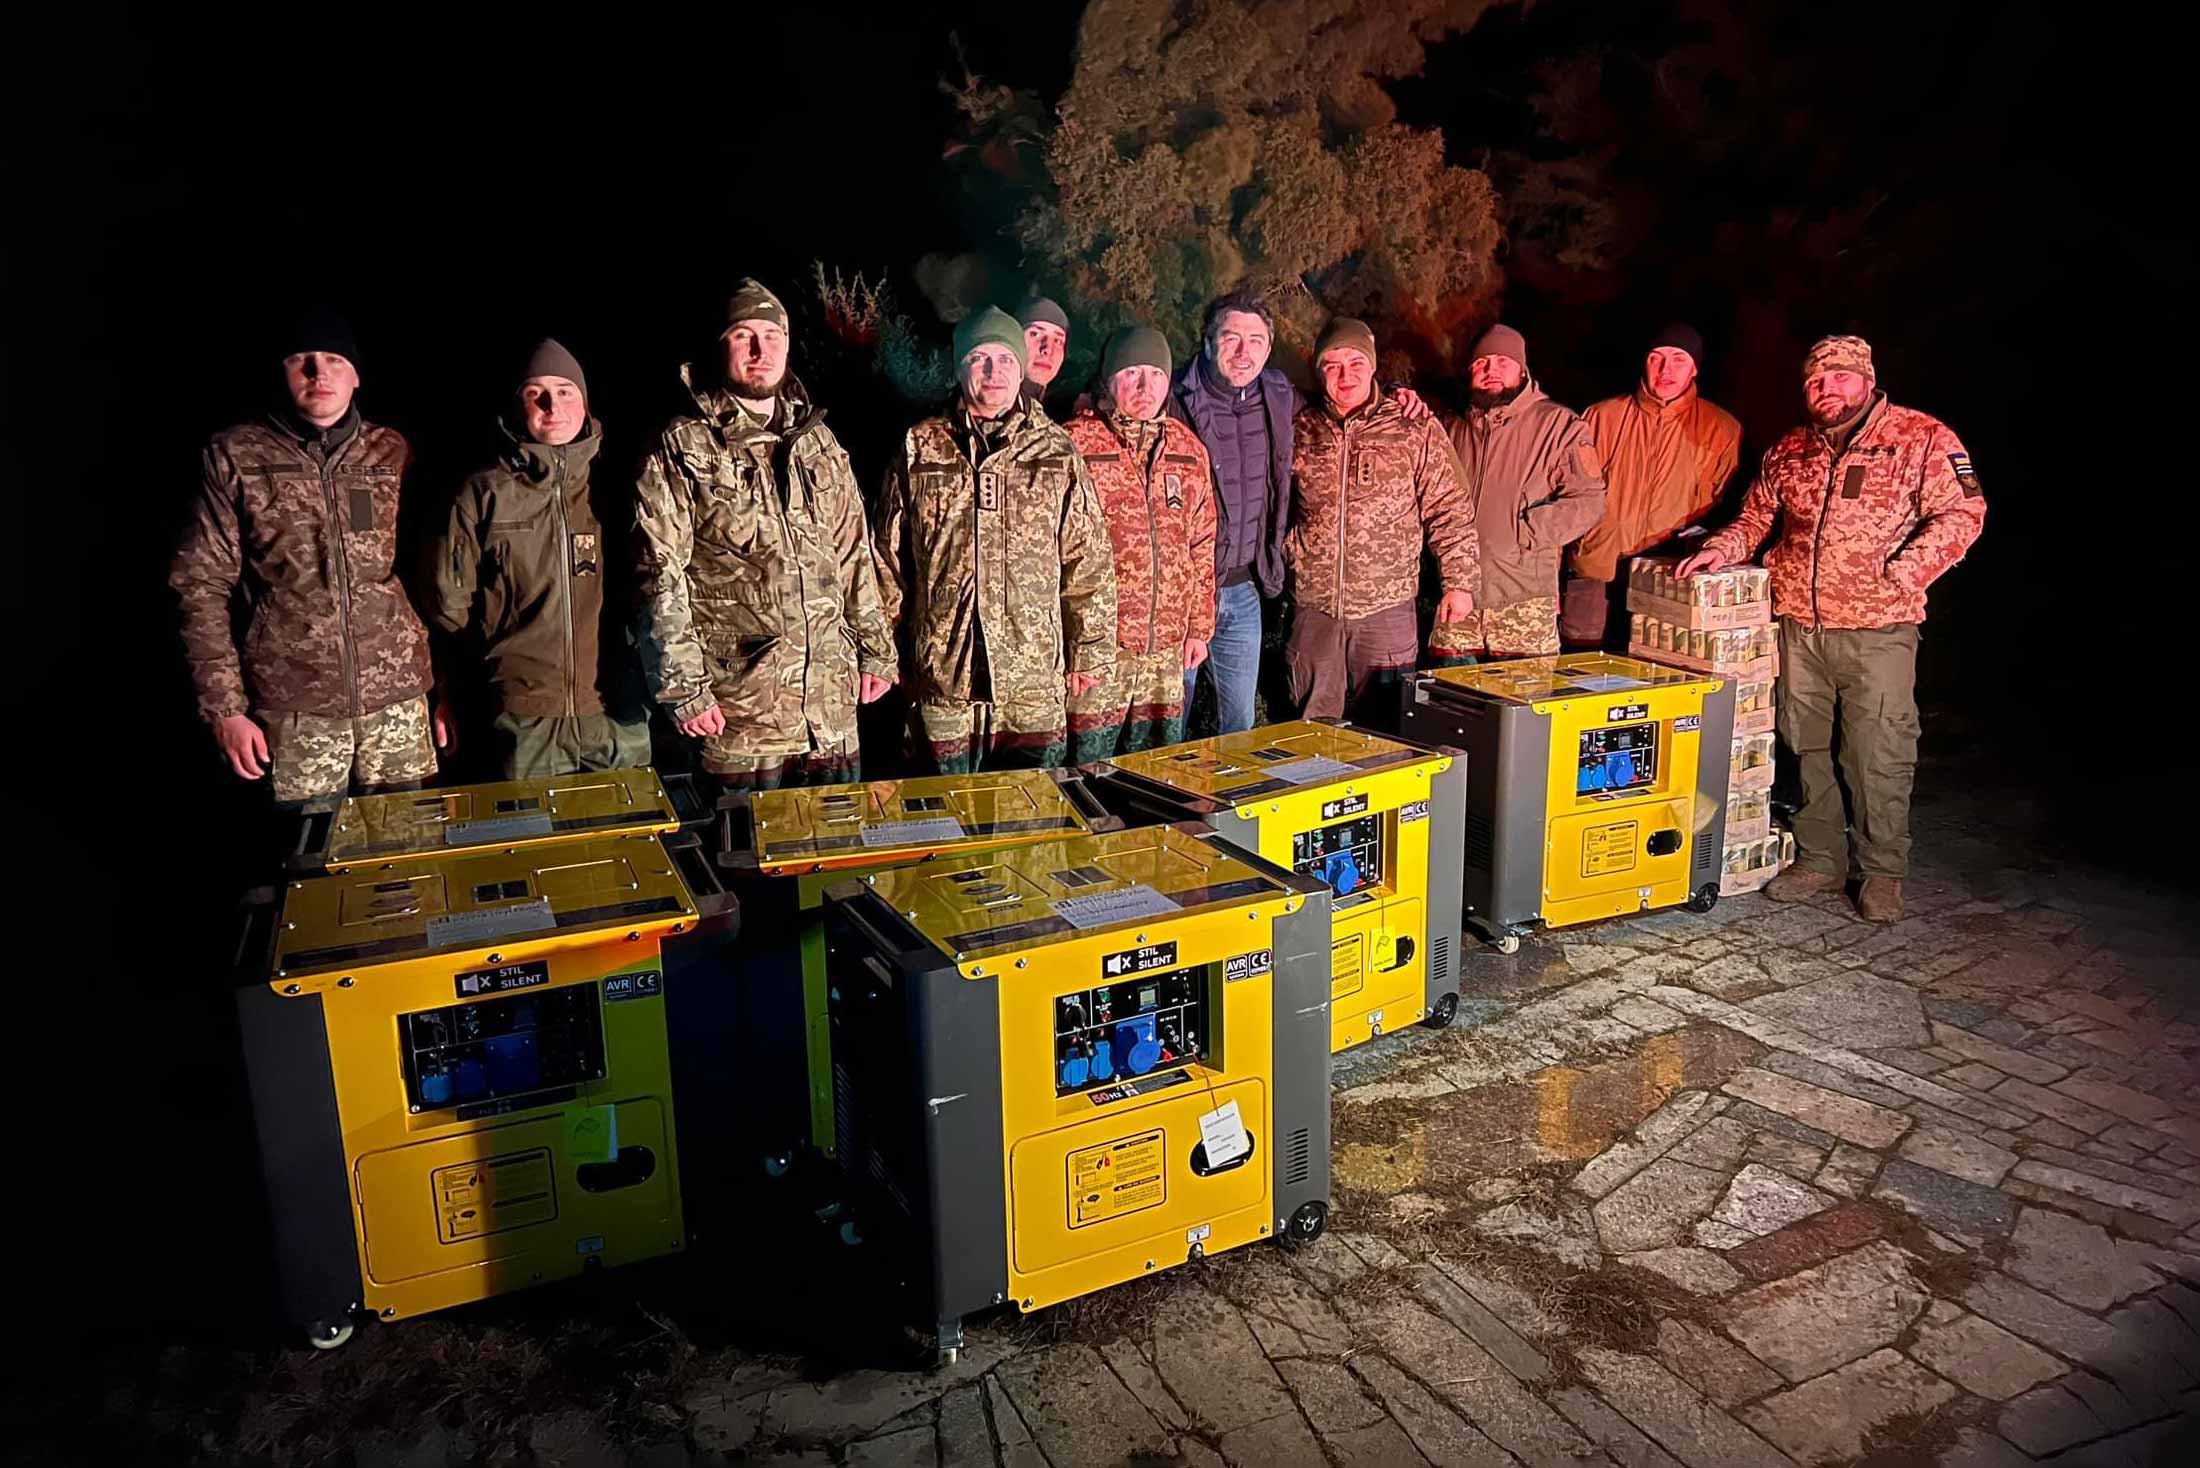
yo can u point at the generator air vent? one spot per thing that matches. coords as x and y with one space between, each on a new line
1440 959
1298 1154
1481 842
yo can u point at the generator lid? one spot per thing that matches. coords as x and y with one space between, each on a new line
1057 891
1568 675
894 821
416 824
1253 765
482 900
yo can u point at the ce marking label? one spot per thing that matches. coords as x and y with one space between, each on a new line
1248 965
647 984
1687 722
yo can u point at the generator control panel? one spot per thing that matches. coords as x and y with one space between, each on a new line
1122 1031
1617 759
465 1055
1346 856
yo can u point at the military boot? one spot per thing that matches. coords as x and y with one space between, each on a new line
1800 884
1880 899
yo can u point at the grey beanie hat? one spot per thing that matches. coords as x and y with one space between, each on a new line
551 359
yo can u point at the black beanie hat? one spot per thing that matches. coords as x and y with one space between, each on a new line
551 359
1043 308
1685 338
319 329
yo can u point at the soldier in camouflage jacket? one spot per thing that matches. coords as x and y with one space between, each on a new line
1370 488
297 516
761 624
1155 488
1874 503
994 562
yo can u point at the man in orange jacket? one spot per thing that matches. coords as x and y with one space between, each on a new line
1875 503
1667 456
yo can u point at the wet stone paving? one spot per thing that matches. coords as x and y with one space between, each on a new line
1759 1187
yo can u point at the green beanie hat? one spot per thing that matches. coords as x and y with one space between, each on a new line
991 324
1135 346
1043 308
1343 331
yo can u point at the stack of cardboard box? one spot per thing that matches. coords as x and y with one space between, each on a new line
1721 622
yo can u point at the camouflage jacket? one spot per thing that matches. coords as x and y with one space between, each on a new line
532 559
1863 531
994 560
756 587
1537 483
305 532
1368 491
1158 496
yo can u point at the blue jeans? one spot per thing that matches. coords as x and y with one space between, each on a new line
1233 657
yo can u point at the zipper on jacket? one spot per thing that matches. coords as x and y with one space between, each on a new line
1153 552
1344 479
1818 542
565 549
343 585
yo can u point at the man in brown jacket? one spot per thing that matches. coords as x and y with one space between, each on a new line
1370 489
994 562
297 513
761 627
1667 456
1873 503
1152 478
1537 485
532 572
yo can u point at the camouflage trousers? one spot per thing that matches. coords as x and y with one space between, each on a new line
1522 629
1138 706
312 755
536 748
956 737
833 761
1862 685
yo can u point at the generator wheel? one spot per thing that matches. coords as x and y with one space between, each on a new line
1706 898
1306 1225
1446 1010
1506 943
778 1164
851 1235
327 1335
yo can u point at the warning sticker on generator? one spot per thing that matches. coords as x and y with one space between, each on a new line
1123 905
1606 849
1116 1178
1347 966
477 1198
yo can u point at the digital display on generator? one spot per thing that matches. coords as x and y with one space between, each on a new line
1119 1032
469 1053
1617 758
1346 856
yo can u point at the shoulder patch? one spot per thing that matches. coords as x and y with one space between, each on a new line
1966 476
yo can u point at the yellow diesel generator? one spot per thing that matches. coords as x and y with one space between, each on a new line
1377 821
1064 1066
1590 792
419 825
459 1073
759 1048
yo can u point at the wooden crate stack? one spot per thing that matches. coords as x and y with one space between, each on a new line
1721 622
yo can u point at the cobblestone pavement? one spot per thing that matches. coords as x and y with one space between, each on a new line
1763 1186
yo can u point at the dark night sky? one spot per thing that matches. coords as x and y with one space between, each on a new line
461 189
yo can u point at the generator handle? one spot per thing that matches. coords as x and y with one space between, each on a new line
1078 794
316 823
685 793
718 911
737 834
253 960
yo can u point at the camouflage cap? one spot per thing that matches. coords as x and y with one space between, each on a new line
1839 354
991 324
752 302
